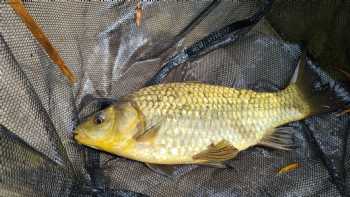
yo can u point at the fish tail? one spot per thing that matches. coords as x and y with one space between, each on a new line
318 100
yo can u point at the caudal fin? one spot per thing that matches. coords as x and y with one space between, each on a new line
319 99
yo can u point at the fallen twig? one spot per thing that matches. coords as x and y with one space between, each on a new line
38 33
138 14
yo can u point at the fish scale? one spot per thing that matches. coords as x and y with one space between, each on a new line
212 113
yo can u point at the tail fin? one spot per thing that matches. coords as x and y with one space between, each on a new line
319 99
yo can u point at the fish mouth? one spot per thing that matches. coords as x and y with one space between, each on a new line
83 139
80 136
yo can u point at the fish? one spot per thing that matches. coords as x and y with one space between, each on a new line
197 123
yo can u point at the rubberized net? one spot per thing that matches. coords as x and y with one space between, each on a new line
111 56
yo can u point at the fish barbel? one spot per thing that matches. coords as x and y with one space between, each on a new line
197 123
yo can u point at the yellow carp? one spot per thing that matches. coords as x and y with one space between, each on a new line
197 123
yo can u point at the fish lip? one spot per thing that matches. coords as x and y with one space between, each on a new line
79 135
75 133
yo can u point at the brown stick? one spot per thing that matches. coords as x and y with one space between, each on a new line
38 33
138 14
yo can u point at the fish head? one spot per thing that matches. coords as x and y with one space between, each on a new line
97 128
110 130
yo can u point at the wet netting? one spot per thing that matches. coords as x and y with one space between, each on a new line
229 43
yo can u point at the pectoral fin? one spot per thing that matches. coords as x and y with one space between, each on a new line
147 135
144 133
166 170
215 154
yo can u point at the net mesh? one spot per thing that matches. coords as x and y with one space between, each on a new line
112 57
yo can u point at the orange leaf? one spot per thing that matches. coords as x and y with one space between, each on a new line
288 168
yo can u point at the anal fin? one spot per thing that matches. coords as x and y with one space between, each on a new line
281 139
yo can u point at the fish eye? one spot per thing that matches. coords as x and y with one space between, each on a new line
99 118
